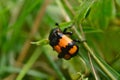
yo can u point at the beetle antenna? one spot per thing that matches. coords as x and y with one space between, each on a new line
57 25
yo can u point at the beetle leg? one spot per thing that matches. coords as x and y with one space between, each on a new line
76 40
65 31
69 33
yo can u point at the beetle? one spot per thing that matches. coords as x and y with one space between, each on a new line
64 45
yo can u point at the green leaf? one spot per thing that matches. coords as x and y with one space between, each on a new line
52 63
29 64
101 13
83 9
118 2
17 26
30 72
66 24
91 30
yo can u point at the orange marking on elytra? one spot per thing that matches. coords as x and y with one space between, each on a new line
63 42
57 48
73 50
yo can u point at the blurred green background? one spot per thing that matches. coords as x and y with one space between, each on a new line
26 21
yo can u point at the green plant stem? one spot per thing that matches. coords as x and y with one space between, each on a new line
92 67
105 69
101 63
